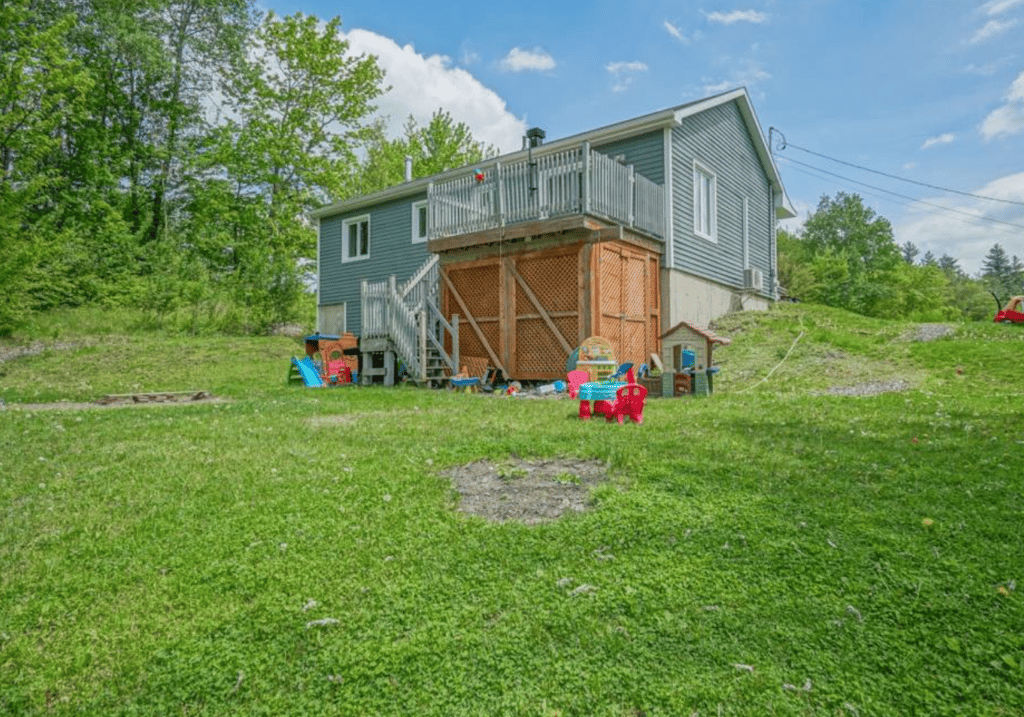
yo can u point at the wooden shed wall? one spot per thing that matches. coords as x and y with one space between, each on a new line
528 310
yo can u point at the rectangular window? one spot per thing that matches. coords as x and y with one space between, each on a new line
705 221
419 222
357 238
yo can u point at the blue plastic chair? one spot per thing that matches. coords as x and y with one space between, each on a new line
621 372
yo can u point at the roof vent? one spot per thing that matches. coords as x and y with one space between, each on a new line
535 136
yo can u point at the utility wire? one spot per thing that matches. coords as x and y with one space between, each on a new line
785 144
903 196
910 203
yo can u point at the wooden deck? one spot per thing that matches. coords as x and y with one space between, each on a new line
569 185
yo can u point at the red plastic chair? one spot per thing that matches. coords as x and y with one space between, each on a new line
575 379
605 408
629 401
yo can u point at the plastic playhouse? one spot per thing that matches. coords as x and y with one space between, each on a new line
329 361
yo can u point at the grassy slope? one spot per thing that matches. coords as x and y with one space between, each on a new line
164 560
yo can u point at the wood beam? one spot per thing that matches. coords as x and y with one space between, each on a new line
472 322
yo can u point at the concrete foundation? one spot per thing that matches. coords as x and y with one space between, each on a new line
699 301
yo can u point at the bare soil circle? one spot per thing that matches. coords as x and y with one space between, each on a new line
528 492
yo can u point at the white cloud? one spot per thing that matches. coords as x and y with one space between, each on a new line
421 85
1008 119
1016 89
676 33
747 76
623 73
961 237
991 29
519 60
729 18
795 225
946 138
997 7
990 68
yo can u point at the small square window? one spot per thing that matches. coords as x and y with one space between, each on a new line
357 238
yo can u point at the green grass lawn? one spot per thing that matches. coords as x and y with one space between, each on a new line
773 549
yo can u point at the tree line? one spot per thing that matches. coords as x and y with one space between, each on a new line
846 256
162 154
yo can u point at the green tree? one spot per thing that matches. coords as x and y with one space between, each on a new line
845 229
796 275
300 104
1002 275
441 145
950 266
909 251
42 94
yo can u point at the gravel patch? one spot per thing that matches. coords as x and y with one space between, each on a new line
871 388
928 332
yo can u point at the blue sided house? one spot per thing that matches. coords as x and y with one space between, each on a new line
621 232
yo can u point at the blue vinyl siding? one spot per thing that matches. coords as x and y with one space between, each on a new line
645 152
718 140
391 252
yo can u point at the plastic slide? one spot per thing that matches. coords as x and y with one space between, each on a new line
310 376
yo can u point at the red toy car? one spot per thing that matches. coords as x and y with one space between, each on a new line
1011 313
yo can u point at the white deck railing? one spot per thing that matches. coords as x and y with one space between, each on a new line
570 182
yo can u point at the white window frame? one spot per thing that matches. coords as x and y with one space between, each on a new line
701 171
346 255
418 238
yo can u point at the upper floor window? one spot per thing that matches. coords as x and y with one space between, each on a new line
419 222
357 238
705 210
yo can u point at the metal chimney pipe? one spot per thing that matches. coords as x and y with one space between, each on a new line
408 168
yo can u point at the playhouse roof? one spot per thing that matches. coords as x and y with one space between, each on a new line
700 332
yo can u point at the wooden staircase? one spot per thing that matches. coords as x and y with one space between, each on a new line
404 322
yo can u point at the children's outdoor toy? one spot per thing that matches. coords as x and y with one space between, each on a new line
629 402
1011 313
596 358
306 370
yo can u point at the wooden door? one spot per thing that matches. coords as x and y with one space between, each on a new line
626 300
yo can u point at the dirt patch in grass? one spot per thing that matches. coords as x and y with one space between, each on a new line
181 398
528 492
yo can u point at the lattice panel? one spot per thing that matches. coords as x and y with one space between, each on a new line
537 350
553 280
633 343
478 287
610 271
633 299
469 344
611 329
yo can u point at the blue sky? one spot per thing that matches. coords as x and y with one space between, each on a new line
927 90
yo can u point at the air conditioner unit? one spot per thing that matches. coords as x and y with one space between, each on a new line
753 279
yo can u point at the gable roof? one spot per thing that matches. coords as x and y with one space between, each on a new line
705 333
620 130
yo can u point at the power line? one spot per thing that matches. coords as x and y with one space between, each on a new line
903 196
785 144
910 203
